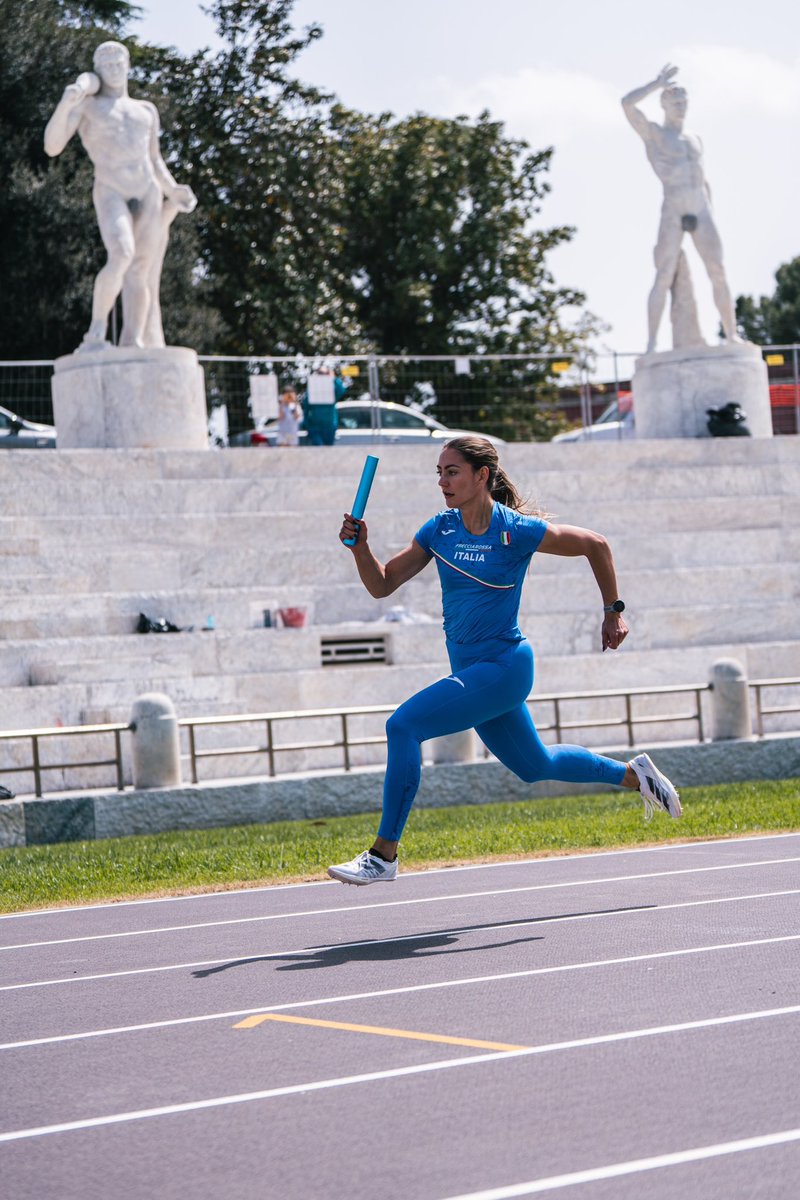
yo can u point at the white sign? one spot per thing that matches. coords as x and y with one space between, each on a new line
263 397
462 366
320 389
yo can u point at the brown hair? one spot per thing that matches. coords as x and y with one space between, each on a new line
480 452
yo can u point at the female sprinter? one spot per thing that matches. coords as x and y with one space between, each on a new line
483 542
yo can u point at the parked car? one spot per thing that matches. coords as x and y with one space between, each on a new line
365 421
613 424
18 434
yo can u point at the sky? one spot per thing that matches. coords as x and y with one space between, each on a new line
554 72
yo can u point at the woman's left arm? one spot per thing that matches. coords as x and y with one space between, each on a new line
572 542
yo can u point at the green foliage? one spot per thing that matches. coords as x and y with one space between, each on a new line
253 143
512 398
773 320
219 858
441 246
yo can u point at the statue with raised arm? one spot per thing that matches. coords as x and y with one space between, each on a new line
677 159
135 196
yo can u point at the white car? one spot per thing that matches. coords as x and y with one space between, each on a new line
18 434
369 421
615 423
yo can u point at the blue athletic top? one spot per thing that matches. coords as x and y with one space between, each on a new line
482 576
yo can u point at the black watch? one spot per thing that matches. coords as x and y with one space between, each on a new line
617 607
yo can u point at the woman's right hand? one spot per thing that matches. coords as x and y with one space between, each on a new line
351 528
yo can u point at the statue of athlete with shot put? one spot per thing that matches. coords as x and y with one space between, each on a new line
135 196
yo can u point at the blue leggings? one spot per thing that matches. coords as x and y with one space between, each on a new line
487 691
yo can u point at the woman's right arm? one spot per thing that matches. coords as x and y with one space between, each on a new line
378 578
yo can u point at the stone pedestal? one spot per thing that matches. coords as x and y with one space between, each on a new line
123 397
672 390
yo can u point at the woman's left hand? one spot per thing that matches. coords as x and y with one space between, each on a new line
614 631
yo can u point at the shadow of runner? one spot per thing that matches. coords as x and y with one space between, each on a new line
388 949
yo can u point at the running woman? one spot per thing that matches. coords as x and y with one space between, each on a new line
483 543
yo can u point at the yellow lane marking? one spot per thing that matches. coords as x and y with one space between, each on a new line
249 1022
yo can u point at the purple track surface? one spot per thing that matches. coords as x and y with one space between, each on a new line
602 1026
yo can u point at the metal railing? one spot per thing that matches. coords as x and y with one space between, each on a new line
269 747
763 710
629 719
521 397
37 767
346 741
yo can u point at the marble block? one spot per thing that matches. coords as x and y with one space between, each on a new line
125 397
673 389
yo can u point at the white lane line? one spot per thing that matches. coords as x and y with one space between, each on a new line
365 907
400 991
406 937
672 847
636 1165
393 1073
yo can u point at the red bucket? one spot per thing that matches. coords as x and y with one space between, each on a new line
293 618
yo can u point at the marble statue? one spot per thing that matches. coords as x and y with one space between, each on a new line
677 159
135 196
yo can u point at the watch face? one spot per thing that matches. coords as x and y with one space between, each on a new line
618 606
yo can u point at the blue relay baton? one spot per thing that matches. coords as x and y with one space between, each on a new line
362 495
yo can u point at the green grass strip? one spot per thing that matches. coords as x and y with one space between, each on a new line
197 860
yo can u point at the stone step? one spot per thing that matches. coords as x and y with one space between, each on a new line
561 589
243 463
556 491
24 537
570 590
698 598
118 483
135 660
95 570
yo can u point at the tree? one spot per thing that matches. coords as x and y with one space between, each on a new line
254 144
773 320
445 255
443 251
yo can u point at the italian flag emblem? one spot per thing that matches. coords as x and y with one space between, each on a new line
505 538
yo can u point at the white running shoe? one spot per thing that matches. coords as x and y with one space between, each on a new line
366 868
657 791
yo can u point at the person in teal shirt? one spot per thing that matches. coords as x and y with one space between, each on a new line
322 420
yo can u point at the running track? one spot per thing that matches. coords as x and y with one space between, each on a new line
602 1027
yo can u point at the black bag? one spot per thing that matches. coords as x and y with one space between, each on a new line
160 625
727 421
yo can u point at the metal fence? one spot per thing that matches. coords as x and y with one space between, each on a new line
344 731
517 397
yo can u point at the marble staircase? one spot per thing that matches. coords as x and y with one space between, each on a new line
705 534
